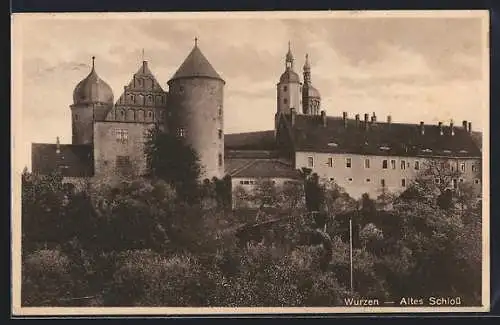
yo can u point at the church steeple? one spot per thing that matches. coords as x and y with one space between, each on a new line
289 58
307 71
288 87
311 99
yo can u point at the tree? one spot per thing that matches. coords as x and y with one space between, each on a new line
171 159
42 203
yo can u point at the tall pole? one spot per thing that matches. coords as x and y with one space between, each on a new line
350 249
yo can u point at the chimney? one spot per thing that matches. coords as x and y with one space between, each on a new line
366 121
357 120
452 129
293 114
323 118
440 125
464 124
58 146
374 117
470 127
389 119
422 129
344 117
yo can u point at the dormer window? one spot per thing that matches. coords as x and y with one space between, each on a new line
332 144
447 151
385 148
463 151
427 150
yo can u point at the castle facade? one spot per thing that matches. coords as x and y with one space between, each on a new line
361 154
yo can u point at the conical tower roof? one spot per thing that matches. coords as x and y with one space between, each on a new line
196 65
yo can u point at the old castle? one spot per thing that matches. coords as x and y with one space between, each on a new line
361 154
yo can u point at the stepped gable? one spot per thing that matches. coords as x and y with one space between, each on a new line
71 160
142 94
379 138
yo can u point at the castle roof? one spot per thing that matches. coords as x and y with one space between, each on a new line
379 138
72 160
196 65
259 140
260 168
93 90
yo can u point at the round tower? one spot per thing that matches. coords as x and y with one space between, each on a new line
196 93
92 99
289 87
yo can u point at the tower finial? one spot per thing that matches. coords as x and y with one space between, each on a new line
93 62
289 46
143 55
196 41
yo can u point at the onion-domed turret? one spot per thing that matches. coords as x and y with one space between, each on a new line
93 90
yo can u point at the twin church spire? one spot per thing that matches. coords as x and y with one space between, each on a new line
292 93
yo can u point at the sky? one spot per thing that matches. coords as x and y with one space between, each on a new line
413 67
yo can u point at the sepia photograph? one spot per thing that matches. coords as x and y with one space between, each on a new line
250 162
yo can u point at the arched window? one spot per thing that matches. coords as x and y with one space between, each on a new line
130 115
285 88
140 100
132 99
140 115
120 115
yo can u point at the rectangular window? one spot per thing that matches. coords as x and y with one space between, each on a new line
122 161
382 182
462 167
220 160
220 133
403 164
476 181
417 165
348 162
474 168
455 183
181 132
310 162
121 135
330 162
403 182
384 164
367 163
220 110
393 164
